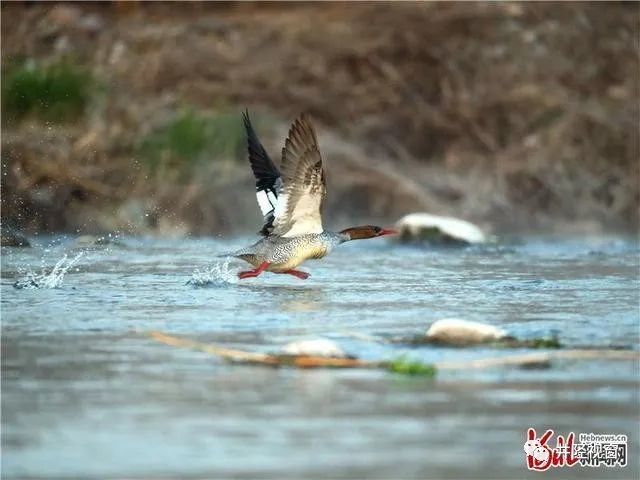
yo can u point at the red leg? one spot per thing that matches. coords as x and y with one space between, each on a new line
254 273
298 273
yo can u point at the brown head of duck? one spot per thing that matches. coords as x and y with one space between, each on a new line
366 231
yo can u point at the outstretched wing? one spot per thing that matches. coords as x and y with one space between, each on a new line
298 210
268 179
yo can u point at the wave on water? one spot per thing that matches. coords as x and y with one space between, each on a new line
44 279
217 275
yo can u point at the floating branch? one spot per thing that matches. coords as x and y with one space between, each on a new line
227 353
400 365
421 339
241 356
506 342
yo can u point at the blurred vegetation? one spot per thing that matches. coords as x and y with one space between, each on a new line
58 92
193 137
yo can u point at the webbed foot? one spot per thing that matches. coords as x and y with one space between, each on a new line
253 273
297 273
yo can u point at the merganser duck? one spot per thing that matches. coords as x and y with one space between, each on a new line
291 200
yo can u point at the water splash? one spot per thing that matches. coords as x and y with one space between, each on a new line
44 279
217 275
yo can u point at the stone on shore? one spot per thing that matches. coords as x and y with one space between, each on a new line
428 228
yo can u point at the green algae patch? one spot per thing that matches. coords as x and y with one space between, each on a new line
404 366
542 343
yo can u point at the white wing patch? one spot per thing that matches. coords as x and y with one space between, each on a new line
281 206
266 201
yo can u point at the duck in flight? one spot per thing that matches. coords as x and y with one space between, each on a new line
291 202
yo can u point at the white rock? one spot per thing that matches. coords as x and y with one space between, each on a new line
463 332
421 226
314 348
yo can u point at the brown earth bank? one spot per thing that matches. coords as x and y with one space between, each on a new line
518 116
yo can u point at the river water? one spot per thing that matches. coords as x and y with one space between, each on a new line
87 394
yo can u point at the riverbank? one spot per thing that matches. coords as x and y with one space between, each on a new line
519 117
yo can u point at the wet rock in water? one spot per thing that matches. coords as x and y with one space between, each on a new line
427 228
12 238
314 348
453 331
85 241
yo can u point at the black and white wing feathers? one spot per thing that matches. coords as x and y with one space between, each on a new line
268 178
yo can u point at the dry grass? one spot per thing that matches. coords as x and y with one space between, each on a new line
522 116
